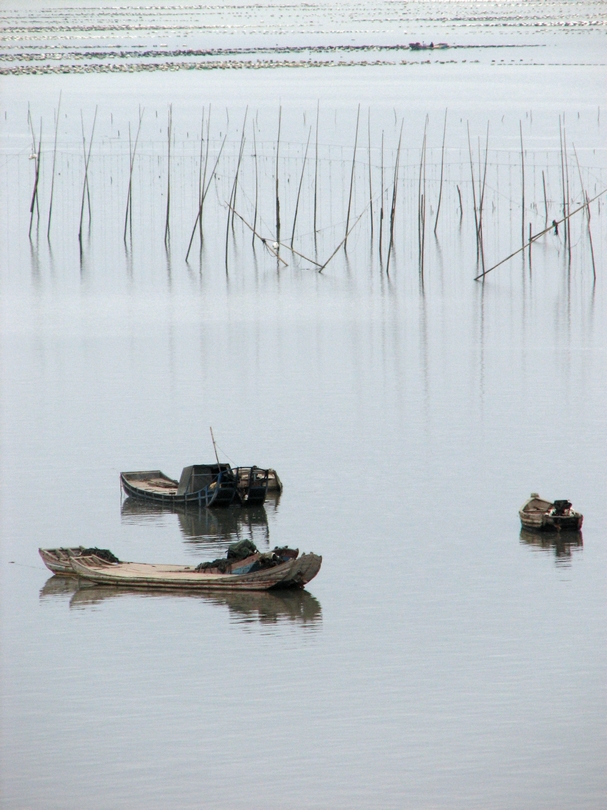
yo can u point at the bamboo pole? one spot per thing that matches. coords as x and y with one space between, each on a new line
37 158
276 176
199 214
86 173
352 177
520 125
303 168
393 206
381 204
370 171
568 195
200 167
242 143
563 172
461 205
167 233
585 196
482 200
316 171
204 176
322 267
536 236
421 197
442 167
473 193
128 216
256 183
50 206
545 200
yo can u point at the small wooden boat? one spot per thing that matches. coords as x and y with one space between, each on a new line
201 484
59 560
555 516
252 484
274 482
249 574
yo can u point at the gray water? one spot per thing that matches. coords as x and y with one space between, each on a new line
442 658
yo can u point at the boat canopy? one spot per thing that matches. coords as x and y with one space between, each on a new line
198 476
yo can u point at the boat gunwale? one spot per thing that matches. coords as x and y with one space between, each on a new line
286 574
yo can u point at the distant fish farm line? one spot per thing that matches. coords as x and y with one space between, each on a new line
302 191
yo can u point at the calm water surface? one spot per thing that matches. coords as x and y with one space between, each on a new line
442 658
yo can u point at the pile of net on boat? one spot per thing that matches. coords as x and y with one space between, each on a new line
103 553
240 551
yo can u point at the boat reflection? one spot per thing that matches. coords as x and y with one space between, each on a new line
58 586
227 525
245 607
563 543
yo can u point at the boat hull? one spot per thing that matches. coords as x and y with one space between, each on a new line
551 523
291 574
59 560
541 515
155 487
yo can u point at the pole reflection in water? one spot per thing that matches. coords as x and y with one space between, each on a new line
563 543
245 607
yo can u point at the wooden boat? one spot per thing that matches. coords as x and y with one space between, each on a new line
274 482
59 560
248 574
541 515
201 484
252 484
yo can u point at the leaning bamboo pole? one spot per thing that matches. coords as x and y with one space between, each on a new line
370 171
352 178
478 251
50 205
381 202
168 212
238 164
37 151
536 236
276 176
394 194
128 216
482 186
206 190
303 168
442 168
316 172
86 174
585 196
520 125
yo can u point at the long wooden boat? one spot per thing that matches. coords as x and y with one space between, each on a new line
242 575
255 572
541 515
202 484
